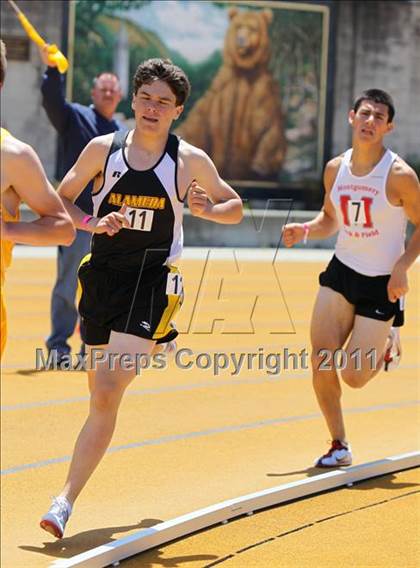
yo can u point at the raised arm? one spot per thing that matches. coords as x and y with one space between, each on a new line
325 223
210 197
26 177
52 89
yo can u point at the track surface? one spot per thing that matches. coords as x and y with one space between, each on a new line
187 438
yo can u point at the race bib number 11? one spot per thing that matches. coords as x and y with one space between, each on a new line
140 219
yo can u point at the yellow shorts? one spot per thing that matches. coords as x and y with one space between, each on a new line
6 248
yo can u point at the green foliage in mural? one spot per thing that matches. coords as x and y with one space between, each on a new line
95 41
97 28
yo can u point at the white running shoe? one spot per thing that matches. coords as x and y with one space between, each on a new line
393 351
339 454
55 520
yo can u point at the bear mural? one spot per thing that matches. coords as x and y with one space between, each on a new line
239 120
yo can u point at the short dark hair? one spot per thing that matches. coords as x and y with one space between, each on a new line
377 96
3 61
163 70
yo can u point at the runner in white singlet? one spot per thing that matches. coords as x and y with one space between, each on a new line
370 192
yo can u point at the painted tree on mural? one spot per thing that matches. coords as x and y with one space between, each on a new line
96 32
95 40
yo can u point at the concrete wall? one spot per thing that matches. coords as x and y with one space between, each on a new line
378 46
21 110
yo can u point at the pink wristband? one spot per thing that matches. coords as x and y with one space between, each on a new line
306 233
86 219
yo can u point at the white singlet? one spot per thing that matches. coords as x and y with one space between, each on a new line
372 230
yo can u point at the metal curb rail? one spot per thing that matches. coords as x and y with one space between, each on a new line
222 512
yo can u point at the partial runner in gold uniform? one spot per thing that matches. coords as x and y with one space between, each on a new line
23 179
6 257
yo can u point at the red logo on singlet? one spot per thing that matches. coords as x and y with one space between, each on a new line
356 211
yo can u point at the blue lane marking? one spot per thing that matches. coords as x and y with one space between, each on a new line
155 390
210 432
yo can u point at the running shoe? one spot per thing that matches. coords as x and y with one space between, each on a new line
55 520
339 454
393 350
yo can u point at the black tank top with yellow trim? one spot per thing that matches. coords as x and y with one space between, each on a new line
154 210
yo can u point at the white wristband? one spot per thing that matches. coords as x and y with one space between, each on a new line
306 233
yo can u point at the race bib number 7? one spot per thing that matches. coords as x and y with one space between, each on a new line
140 219
356 211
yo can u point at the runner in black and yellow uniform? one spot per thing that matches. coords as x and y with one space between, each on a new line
129 283
130 288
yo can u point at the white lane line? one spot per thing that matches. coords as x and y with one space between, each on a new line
221 512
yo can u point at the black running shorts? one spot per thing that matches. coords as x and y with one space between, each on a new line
367 293
135 303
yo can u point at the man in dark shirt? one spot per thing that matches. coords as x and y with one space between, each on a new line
76 125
